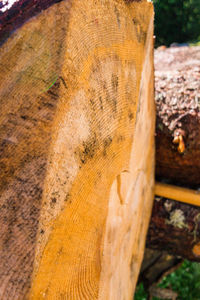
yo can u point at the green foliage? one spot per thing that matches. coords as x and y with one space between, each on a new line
185 281
176 21
140 293
196 43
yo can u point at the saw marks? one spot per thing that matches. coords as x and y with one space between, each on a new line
103 79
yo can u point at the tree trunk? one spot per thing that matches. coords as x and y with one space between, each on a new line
175 227
77 150
177 97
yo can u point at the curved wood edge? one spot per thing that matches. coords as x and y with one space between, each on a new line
71 151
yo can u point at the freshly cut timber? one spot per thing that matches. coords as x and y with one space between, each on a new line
76 150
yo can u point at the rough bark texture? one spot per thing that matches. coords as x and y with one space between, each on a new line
76 150
177 84
13 17
175 228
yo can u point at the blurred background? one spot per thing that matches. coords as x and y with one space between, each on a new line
177 21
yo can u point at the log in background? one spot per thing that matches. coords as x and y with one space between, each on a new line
177 96
174 226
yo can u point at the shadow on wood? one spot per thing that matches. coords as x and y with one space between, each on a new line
77 151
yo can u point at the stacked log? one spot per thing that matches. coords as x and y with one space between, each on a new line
175 226
177 96
77 148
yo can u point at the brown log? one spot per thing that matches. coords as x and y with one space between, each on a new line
177 85
155 265
77 150
175 228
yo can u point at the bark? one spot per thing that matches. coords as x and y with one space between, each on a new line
76 150
175 228
13 17
174 231
156 264
177 97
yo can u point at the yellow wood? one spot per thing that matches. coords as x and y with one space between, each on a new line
178 193
86 144
83 255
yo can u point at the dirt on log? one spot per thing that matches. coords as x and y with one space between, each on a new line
177 94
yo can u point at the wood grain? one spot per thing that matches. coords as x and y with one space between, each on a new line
29 64
175 228
77 135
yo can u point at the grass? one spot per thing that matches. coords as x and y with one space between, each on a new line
185 281
196 43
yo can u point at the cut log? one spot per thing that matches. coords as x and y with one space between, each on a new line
13 14
177 96
175 228
156 264
77 150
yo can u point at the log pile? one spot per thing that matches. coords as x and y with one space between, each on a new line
177 95
174 231
175 226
